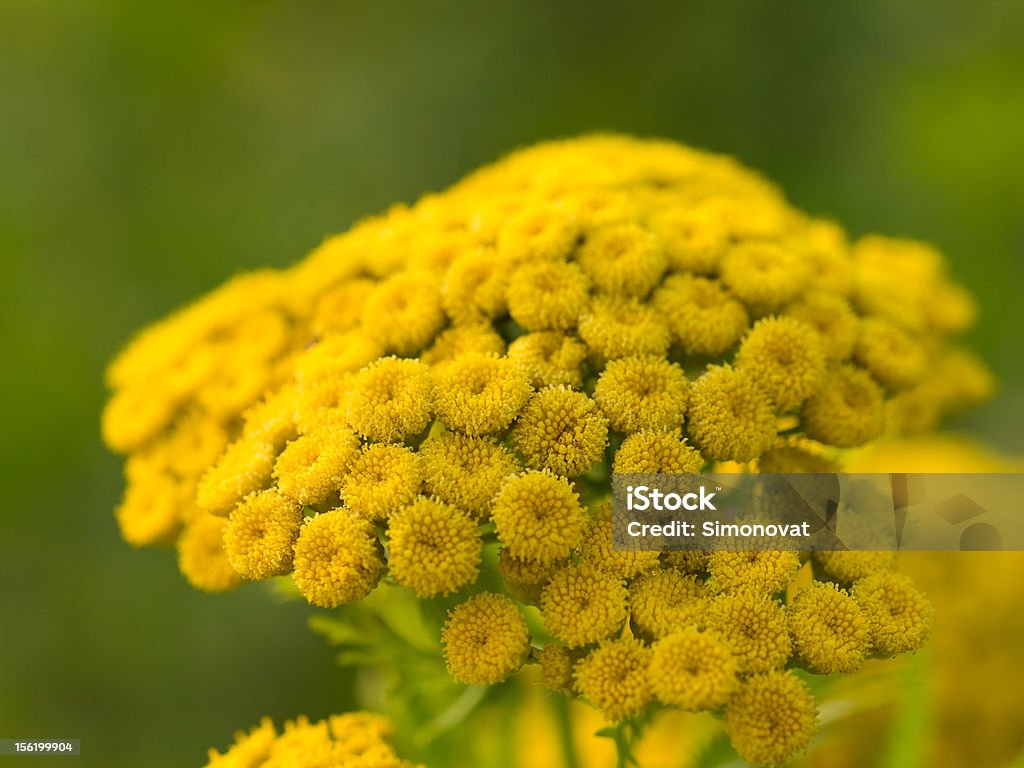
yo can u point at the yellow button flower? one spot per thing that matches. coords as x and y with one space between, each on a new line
767 571
538 517
400 315
665 601
618 327
730 416
561 430
549 359
582 605
337 559
785 358
485 639
466 471
201 556
381 479
547 295
692 670
703 317
829 630
623 259
657 452
614 678
637 393
391 399
261 533
433 548
311 467
755 625
848 411
480 394
900 617
771 718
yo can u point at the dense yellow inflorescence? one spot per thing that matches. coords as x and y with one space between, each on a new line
351 740
466 373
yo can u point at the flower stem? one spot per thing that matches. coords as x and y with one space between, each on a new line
562 717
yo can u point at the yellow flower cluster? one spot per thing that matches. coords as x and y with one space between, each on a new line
351 740
466 372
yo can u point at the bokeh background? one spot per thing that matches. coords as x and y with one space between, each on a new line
150 150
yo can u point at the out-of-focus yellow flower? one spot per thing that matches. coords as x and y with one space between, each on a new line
614 678
847 567
556 667
829 630
480 394
623 259
692 670
899 616
400 315
582 605
561 430
763 274
547 295
618 327
201 555
538 517
485 639
596 549
474 287
337 559
479 338
637 393
771 718
848 410
433 548
549 359
352 740
889 354
832 318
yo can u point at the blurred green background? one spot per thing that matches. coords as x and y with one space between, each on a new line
148 151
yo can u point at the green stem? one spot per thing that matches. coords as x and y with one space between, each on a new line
562 717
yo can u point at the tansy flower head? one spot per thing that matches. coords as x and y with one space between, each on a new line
381 479
561 430
730 417
479 394
433 548
538 233
694 238
245 467
829 630
526 578
638 393
848 411
485 639
899 616
665 601
337 559
596 549
538 517
767 571
311 467
403 313
261 533
657 452
201 556
770 718
479 338
466 471
785 358
582 605
832 318
474 287
340 309
623 259
618 327
764 275
151 511
391 399
692 670
704 319
755 625
614 678
849 566
549 359
687 561
556 667
888 352
547 295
